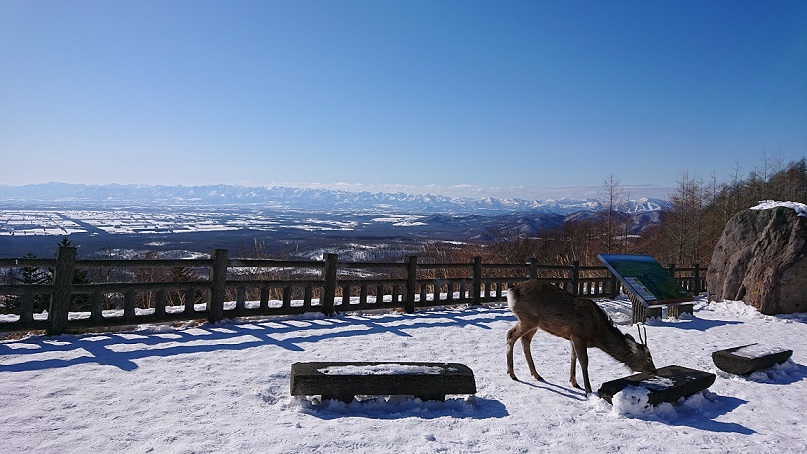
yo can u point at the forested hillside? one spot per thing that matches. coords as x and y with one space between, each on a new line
686 232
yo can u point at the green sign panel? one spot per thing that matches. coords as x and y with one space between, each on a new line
646 279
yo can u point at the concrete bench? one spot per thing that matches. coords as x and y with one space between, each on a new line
344 380
668 385
746 359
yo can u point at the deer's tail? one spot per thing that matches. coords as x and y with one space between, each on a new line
512 297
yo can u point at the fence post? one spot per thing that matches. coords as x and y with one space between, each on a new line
129 303
62 290
477 282
614 286
331 263
575 277
27 308
411 282
696 277
218 285
533 268
159 305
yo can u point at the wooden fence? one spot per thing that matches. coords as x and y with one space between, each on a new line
221 290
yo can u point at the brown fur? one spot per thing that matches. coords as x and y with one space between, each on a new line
580 320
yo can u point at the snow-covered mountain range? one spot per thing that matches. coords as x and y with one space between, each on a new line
279 197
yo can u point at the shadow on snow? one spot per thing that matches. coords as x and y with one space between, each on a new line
378 408
122 349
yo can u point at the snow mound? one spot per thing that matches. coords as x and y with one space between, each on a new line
801 209
633 402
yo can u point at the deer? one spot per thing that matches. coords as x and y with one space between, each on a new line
580 320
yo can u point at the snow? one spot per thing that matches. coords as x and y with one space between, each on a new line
757 351
380 369
800 208
224 387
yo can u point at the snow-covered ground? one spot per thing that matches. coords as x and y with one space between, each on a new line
225 388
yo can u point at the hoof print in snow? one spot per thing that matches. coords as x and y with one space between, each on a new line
749 358
668 385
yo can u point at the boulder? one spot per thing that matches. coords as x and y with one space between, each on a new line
761 259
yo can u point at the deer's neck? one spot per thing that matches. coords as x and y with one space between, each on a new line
618 347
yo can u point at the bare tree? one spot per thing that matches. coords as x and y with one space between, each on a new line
684 222
611 198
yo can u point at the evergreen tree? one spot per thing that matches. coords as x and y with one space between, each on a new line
35 275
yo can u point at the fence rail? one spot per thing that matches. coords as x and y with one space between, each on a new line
325 286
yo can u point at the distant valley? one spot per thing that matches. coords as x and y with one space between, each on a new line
297 223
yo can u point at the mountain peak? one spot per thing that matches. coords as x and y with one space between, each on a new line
318 199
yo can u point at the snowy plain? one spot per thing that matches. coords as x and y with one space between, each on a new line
224 387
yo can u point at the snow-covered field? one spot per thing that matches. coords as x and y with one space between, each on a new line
225 388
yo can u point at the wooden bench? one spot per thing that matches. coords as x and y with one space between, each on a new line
344 380
746 359
668 385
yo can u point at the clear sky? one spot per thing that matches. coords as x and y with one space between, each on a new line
455 97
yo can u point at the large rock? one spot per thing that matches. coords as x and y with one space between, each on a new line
762 259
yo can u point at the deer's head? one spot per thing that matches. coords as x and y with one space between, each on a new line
641 360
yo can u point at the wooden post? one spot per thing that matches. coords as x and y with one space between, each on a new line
411 282
240 299
190 301
477 284
62 290
363 296
264 299
696 277
27 308
307 296
637 311
159 305
575 271
96 307
218 285
129 303
331 263
614 290
396 293
533 268
287 296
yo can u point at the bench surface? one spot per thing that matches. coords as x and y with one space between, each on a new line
730 361
670 384
344 380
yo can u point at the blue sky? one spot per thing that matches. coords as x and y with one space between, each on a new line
518 98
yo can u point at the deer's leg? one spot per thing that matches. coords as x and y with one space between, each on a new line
520 331
573 372
513 334
526 340
580 349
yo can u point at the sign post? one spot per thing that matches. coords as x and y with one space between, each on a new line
649 285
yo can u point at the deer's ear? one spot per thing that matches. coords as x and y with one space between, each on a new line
628 336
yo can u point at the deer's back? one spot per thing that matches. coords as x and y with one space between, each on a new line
555 310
